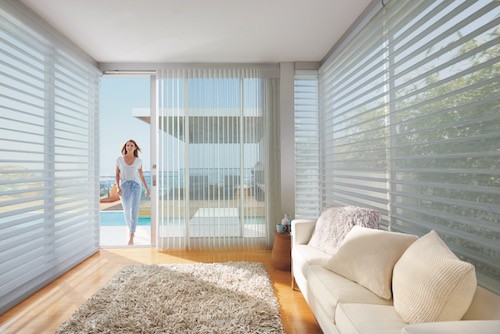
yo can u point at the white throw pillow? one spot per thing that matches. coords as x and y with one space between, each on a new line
430 283
368 256
334 223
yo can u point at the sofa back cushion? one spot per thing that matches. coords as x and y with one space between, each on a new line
431 284
368 256
485 305
334 223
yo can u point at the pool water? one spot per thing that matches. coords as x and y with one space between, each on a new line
116 218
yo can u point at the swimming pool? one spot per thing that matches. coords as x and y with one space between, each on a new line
115 218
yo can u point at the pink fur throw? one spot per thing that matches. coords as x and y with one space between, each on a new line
334 223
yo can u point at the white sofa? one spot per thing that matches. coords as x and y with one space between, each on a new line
344 306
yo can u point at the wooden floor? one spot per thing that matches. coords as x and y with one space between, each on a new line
47 309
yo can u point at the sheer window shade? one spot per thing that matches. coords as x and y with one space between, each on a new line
307 187
49 167
353 120
410 124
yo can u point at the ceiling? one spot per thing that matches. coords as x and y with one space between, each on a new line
201 31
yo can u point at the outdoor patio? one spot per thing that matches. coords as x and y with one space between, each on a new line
203 214
117 236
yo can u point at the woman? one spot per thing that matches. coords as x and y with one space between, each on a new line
128 179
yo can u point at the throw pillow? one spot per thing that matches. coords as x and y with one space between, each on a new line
430 283
334 223
368 256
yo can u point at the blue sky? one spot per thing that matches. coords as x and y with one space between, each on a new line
119 95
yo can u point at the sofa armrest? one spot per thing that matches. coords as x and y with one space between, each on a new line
302 230
453 327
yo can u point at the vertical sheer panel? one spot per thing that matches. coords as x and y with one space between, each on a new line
410 124
213 150
48 170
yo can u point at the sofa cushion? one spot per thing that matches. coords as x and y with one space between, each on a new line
304 255
368 256
431 284
369 319
454 327
485 305
326 289
334 223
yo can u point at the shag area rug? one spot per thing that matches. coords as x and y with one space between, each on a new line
231 297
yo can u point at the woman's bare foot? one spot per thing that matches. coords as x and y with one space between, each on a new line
131 239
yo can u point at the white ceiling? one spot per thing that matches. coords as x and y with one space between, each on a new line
201 31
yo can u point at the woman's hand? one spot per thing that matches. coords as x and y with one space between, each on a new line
147 192
119 191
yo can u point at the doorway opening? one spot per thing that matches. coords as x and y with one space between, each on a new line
121 99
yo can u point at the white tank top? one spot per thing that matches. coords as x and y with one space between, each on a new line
129 172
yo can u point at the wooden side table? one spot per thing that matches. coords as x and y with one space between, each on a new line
281 257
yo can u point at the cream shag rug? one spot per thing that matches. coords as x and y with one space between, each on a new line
231 297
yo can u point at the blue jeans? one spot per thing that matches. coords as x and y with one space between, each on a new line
131 198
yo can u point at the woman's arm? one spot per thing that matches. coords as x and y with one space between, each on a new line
117 178
143 181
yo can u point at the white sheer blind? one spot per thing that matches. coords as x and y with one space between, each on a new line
307 164
353 120
48 165
215 176
410 124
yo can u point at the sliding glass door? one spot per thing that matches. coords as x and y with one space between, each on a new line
212 150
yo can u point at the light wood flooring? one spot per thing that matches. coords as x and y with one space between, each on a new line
47 309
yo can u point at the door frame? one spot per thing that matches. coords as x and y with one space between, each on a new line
153 134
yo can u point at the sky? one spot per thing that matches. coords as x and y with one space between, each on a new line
118 96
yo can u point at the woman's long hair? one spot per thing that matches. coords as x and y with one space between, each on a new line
136 151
